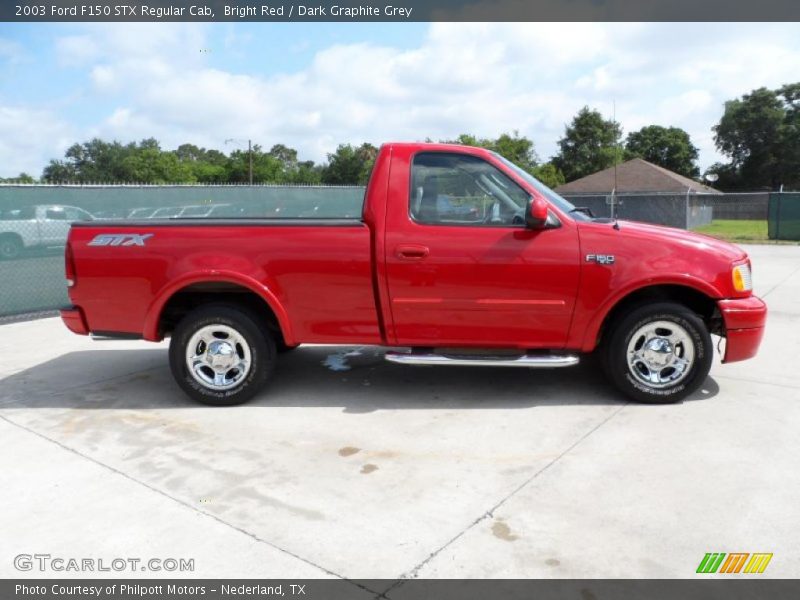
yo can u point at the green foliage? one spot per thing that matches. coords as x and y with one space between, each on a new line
511 146
668 147
350 165
21 178
548 174
760 133
590 144
518 150
97 161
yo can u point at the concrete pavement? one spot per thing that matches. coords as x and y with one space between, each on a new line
387 471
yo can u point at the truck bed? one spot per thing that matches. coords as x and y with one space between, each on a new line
318 269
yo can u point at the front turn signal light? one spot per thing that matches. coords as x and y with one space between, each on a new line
742 279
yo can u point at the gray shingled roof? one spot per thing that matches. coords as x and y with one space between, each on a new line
635 175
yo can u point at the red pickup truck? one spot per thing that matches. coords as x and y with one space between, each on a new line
459 258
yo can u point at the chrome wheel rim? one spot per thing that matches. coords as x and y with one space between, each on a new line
218 357
660 354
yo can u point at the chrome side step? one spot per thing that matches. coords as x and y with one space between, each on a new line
525 360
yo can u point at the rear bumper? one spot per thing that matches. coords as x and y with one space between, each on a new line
744 319
74 320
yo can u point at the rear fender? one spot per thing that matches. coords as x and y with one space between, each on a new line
157 306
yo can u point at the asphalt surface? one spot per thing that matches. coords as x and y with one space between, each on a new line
389 471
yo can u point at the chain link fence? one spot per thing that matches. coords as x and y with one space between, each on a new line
745 206
35 221
685 211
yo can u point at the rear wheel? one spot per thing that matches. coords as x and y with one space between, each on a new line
658 353
219 355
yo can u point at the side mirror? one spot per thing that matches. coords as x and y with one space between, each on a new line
536 213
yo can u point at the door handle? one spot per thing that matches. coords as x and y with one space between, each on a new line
411 252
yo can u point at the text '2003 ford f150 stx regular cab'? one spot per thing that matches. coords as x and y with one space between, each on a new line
459 258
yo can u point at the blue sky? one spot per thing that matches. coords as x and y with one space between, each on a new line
312 86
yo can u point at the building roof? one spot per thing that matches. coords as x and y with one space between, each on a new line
636 175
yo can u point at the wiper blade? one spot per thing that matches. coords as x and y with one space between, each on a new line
583 209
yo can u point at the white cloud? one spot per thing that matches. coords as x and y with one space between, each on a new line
29 138
463 77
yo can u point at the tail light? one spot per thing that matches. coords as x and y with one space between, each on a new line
69 265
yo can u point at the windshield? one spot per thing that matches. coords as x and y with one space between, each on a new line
545 191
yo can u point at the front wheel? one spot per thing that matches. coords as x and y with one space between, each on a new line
658 353
219 355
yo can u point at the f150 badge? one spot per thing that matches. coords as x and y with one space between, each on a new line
120 239
600 259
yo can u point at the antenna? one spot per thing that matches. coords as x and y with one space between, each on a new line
616 160
616 145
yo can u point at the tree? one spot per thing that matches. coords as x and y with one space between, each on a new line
668 147
760 133
548 174
590 144
287 156
21 178
518 150
511 146
349 165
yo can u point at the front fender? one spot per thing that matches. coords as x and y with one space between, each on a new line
585 335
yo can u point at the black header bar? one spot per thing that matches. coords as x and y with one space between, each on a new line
399 10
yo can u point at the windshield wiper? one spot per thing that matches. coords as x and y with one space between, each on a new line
583 209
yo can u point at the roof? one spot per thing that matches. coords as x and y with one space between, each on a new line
636 175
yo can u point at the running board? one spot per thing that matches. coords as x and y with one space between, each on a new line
526 360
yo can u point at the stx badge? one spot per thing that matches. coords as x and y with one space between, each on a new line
600 259
120 239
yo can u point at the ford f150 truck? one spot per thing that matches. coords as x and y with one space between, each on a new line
459 258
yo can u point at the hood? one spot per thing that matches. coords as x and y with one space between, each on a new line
725 251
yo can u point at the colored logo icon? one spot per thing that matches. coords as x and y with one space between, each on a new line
735 562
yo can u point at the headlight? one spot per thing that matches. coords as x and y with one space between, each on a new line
742 279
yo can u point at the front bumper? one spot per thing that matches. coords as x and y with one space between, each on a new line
744 319
74 320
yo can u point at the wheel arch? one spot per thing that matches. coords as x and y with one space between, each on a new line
190 292
700 299
13 235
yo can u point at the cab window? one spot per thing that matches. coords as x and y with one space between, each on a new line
459 189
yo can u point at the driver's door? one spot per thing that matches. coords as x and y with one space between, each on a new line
461 271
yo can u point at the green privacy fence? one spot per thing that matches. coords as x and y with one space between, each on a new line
35 220
783 222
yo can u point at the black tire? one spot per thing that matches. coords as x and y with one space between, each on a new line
259 343
630 379
282 348
10 246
